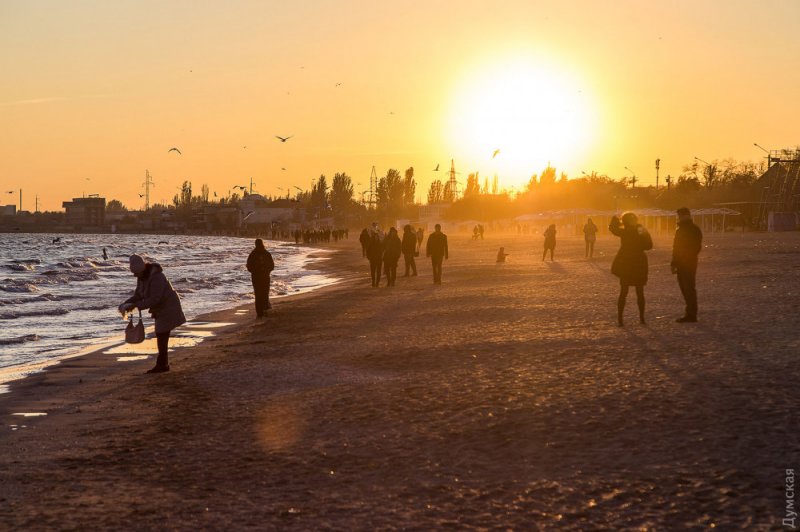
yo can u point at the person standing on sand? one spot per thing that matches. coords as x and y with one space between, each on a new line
589 236
420 237
363 238
409 250
549 241
260 266
154 292
392 248
630 264
437 251
685 248
375 254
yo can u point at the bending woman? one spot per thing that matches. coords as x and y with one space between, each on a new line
154 292
630 264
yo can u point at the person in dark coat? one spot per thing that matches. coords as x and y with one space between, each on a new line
630 264
260 266
436 249
420 237
392 248
549 241
363 238
375 254
589 236
154 292
409 250
685 248
501 256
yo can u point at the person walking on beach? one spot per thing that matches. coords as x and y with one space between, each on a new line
549 241
589 236
437 251
260 266
392 248
630 263
363 238
375 254
409 250
105 254
154 292
685 249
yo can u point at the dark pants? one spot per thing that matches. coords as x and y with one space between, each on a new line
589 249
261 291
375 271
391 272
162 341
411 265
436 263
686 282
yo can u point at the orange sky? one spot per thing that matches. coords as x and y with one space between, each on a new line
95 92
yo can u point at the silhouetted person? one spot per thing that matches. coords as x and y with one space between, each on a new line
589 236
685 248
363 238
260 266
630 264
375 253
480 230
501 256
549 241
437 251
409 250
105 254
420 237
154 292
392 248
297 236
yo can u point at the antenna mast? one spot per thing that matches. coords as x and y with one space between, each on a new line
452 183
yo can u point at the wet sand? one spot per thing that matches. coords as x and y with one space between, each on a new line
505 398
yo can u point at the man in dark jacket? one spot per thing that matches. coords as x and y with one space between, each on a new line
375 253
260 266
437 251
409 250
685 248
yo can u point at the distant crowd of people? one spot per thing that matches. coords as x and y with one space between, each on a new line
383 251
315 236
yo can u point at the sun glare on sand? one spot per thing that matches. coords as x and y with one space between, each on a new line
533 113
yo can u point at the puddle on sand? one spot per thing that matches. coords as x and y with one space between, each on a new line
29 414
206 325
187 336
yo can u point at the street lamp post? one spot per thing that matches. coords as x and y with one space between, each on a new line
658 165
769 155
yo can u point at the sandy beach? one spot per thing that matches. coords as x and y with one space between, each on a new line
506 398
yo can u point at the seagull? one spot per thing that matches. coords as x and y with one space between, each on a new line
244 147
283 168
9 192
215 194
338 84
240 187
495 153
283 139
175 149
141 195
436 169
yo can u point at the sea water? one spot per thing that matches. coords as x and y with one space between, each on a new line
59 296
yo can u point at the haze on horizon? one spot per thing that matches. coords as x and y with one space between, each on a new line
96 92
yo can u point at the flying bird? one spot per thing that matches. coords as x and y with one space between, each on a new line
9 192
215 194
141 195
240 187
338 84
283 168
495 153
436 169
283 139
244 147
175 149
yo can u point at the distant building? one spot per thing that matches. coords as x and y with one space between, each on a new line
255 209
85 211
8 210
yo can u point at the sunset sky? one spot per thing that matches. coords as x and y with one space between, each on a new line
95 92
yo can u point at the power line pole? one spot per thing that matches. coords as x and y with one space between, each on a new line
372 202
148 182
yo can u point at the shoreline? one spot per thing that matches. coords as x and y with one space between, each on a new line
507 397
317 259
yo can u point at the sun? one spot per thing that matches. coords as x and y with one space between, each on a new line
513 119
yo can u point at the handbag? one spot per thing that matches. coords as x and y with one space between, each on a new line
134 334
